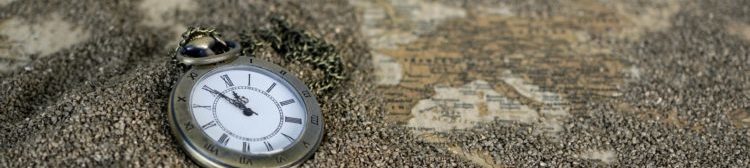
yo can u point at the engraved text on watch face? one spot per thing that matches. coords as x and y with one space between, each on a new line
248 110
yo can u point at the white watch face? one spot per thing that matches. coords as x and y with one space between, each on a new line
249 110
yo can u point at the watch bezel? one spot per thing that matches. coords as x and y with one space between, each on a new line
207 152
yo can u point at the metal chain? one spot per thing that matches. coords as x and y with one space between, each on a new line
296 45
292 44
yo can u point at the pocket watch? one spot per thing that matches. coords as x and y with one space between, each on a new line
230 110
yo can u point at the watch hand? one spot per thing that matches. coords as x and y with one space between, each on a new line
218 93
247 111
236 96
236 103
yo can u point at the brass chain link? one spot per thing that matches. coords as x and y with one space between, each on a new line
294 45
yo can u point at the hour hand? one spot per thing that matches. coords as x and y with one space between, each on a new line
216 92
238 97
241 104
248 112
234 102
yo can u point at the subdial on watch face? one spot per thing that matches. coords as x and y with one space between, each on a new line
248 110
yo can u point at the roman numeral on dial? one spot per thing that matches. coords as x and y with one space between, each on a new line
211 148
271 87
199 106
245 147
268 145
224 139
246 160
280 159
293 120
189 126
210 90
287 102
193 75
314 119
227 81
209 125
288 137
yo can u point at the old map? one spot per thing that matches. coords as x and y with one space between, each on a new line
446 66
429 83
443 66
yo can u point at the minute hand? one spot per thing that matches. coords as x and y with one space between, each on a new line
245 110
234 102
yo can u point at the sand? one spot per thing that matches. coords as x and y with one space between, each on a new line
101 102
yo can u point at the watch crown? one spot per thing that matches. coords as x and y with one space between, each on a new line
204 46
